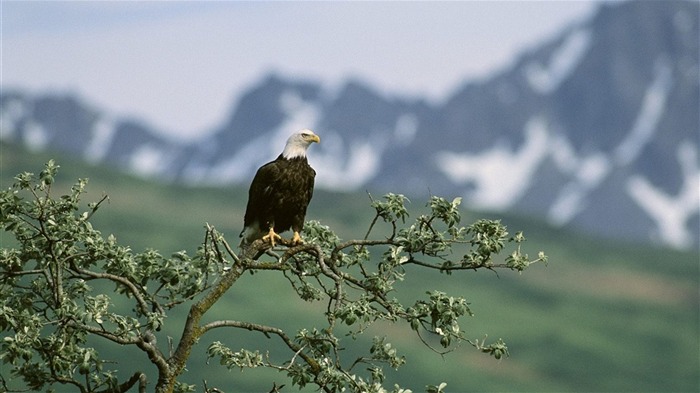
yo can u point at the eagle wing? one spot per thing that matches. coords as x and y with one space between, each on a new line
261 192
306 179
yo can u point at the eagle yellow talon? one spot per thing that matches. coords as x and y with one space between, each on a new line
296 239
271 236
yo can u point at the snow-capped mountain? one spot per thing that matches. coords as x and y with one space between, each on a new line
596 129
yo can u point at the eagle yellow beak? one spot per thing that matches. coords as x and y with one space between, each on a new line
314 138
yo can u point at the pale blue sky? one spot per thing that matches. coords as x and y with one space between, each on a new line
180 65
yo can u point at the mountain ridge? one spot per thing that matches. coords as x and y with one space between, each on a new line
597 128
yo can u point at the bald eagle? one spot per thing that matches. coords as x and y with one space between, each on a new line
280 193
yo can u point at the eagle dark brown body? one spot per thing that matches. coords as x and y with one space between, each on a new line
280 193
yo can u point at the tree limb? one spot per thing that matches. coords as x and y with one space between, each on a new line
192 331
136 292
265 330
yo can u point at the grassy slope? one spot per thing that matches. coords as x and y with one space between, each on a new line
600 317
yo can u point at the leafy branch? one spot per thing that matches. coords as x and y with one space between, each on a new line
49 308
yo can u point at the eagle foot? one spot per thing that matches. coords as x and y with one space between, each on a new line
271 236
296 239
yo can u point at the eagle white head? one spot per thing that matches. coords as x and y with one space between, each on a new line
298 143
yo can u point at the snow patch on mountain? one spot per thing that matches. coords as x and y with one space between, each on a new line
300 114
500 176
346 167
102 136
341 165
35 136
671 213
651 111
12 111
406 129
238 168
587 173
148 160
546 79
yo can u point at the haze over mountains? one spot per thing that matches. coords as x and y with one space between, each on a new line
597 129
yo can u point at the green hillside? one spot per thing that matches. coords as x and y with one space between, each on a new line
601 316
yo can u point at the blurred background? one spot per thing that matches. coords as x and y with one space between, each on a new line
575 121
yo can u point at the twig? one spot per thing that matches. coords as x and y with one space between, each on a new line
96 206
